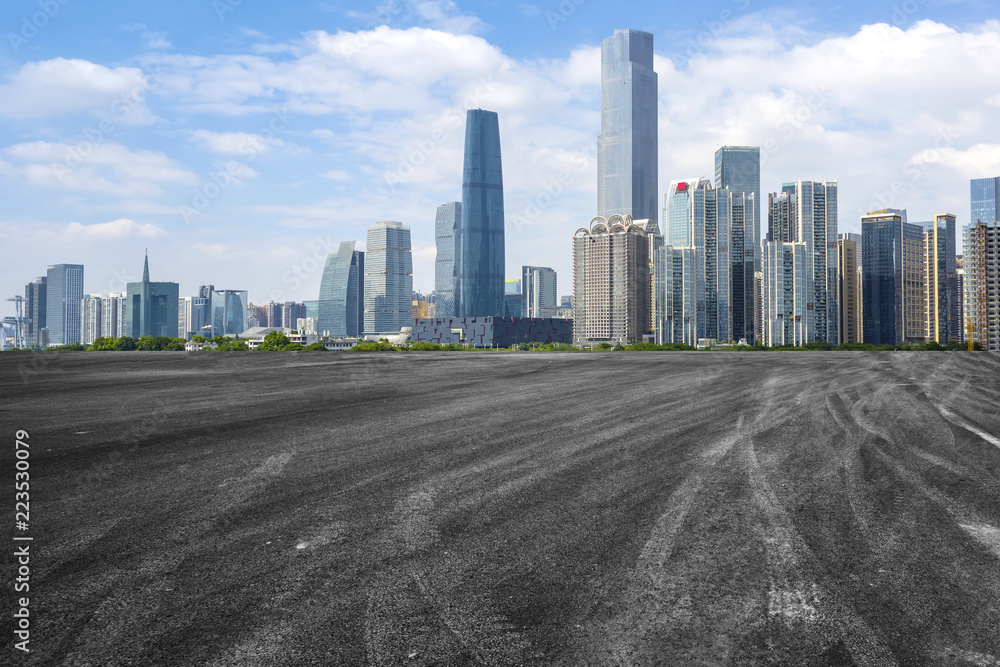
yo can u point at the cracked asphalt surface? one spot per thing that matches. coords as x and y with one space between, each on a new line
511 508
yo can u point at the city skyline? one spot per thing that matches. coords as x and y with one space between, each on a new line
270 220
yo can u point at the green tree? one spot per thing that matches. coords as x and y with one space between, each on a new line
197 339
275 340
315 347
104 345
125 344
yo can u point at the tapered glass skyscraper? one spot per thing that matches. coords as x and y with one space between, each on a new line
627 149
342 293
480 259
446 228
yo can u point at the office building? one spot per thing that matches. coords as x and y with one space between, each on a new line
985 200
611 281
627 148
892 283
676 303
941 295
479 266
981 261
229 309
63 296
34 312
151 307
274 312
738 168
388 279
849 287
342 293
538 289
447 224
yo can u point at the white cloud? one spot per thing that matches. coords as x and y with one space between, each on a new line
107 167
109 231
236 143
213 249
53 87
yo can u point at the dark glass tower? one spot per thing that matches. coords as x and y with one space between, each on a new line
64 296
627 148
342 293
480 259
152 307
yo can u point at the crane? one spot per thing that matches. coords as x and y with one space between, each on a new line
18 321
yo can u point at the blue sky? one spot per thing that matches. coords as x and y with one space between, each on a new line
240 143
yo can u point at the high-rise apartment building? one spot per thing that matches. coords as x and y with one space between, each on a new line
627 148
807 212
63 296
480 261
941 294
676 296
611 282
90 319
538 288
388 283
291 311
849 287
151 308
102 316
342 293
34 312
786 285
981 260
447 224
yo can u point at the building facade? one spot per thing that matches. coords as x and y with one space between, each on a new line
388 279
229 312
849 287
492 331
981 261
738 168
151 307
786 287
892 281
447 224
985 200
941 293
63 297
611 281
480 263
34 312
538 290
342 293
627 177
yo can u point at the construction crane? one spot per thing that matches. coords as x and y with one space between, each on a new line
18 321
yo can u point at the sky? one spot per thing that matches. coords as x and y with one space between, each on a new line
240 142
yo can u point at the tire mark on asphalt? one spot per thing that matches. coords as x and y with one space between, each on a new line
958 421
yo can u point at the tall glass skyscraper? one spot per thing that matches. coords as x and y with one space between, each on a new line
388 270
342 293
480 260
985 200
738 168
627 148
64 296
446 234
892 294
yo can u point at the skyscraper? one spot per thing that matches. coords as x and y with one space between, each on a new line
985 200
64 295
807 212
34 311
538 287
891 283
981 260
151 308
342 293
480 260
738 168
229 310
611 282
388 283
446 234
627 148
941 295
786 284
849 287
